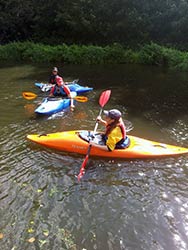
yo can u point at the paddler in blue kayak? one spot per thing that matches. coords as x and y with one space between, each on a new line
115 133
52 79
60 89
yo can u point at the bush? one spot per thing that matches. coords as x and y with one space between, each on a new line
12 51
150 54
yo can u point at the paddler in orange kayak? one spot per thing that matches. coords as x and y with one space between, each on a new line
115 134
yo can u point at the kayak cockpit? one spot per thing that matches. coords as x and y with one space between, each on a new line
98 139
89 136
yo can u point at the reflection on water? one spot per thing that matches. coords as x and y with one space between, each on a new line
119 204
30 109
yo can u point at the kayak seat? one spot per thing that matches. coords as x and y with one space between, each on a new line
88 136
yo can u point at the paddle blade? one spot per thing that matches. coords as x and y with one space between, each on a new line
104 97
29 95
81 98
82 169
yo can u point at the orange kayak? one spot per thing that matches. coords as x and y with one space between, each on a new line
77 142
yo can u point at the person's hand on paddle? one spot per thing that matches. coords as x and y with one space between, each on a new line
100 120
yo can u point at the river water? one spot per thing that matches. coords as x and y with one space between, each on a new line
119 204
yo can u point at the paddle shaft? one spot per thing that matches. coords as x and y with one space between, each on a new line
82 169
102 101
97 123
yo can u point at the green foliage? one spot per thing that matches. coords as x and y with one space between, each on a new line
154 54
39 53
12 51
93 54
183 66
151 54
95 22
75 54
114 53
176 59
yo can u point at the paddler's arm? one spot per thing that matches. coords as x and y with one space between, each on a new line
100 120
71 95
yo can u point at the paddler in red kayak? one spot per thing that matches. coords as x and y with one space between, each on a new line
115 134
60 89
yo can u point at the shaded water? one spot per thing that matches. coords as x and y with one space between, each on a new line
119 204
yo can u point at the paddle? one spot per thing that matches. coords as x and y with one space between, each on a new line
104 97
31 96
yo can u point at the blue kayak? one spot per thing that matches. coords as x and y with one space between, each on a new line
51 106
75 87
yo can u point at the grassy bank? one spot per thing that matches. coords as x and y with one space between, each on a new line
151 54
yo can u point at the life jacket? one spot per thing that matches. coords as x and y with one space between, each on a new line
61 91
60 88
52 79
58 91
122 127
124 142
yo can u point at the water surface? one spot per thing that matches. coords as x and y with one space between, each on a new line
120 204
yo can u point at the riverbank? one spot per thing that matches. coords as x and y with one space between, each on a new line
150 54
